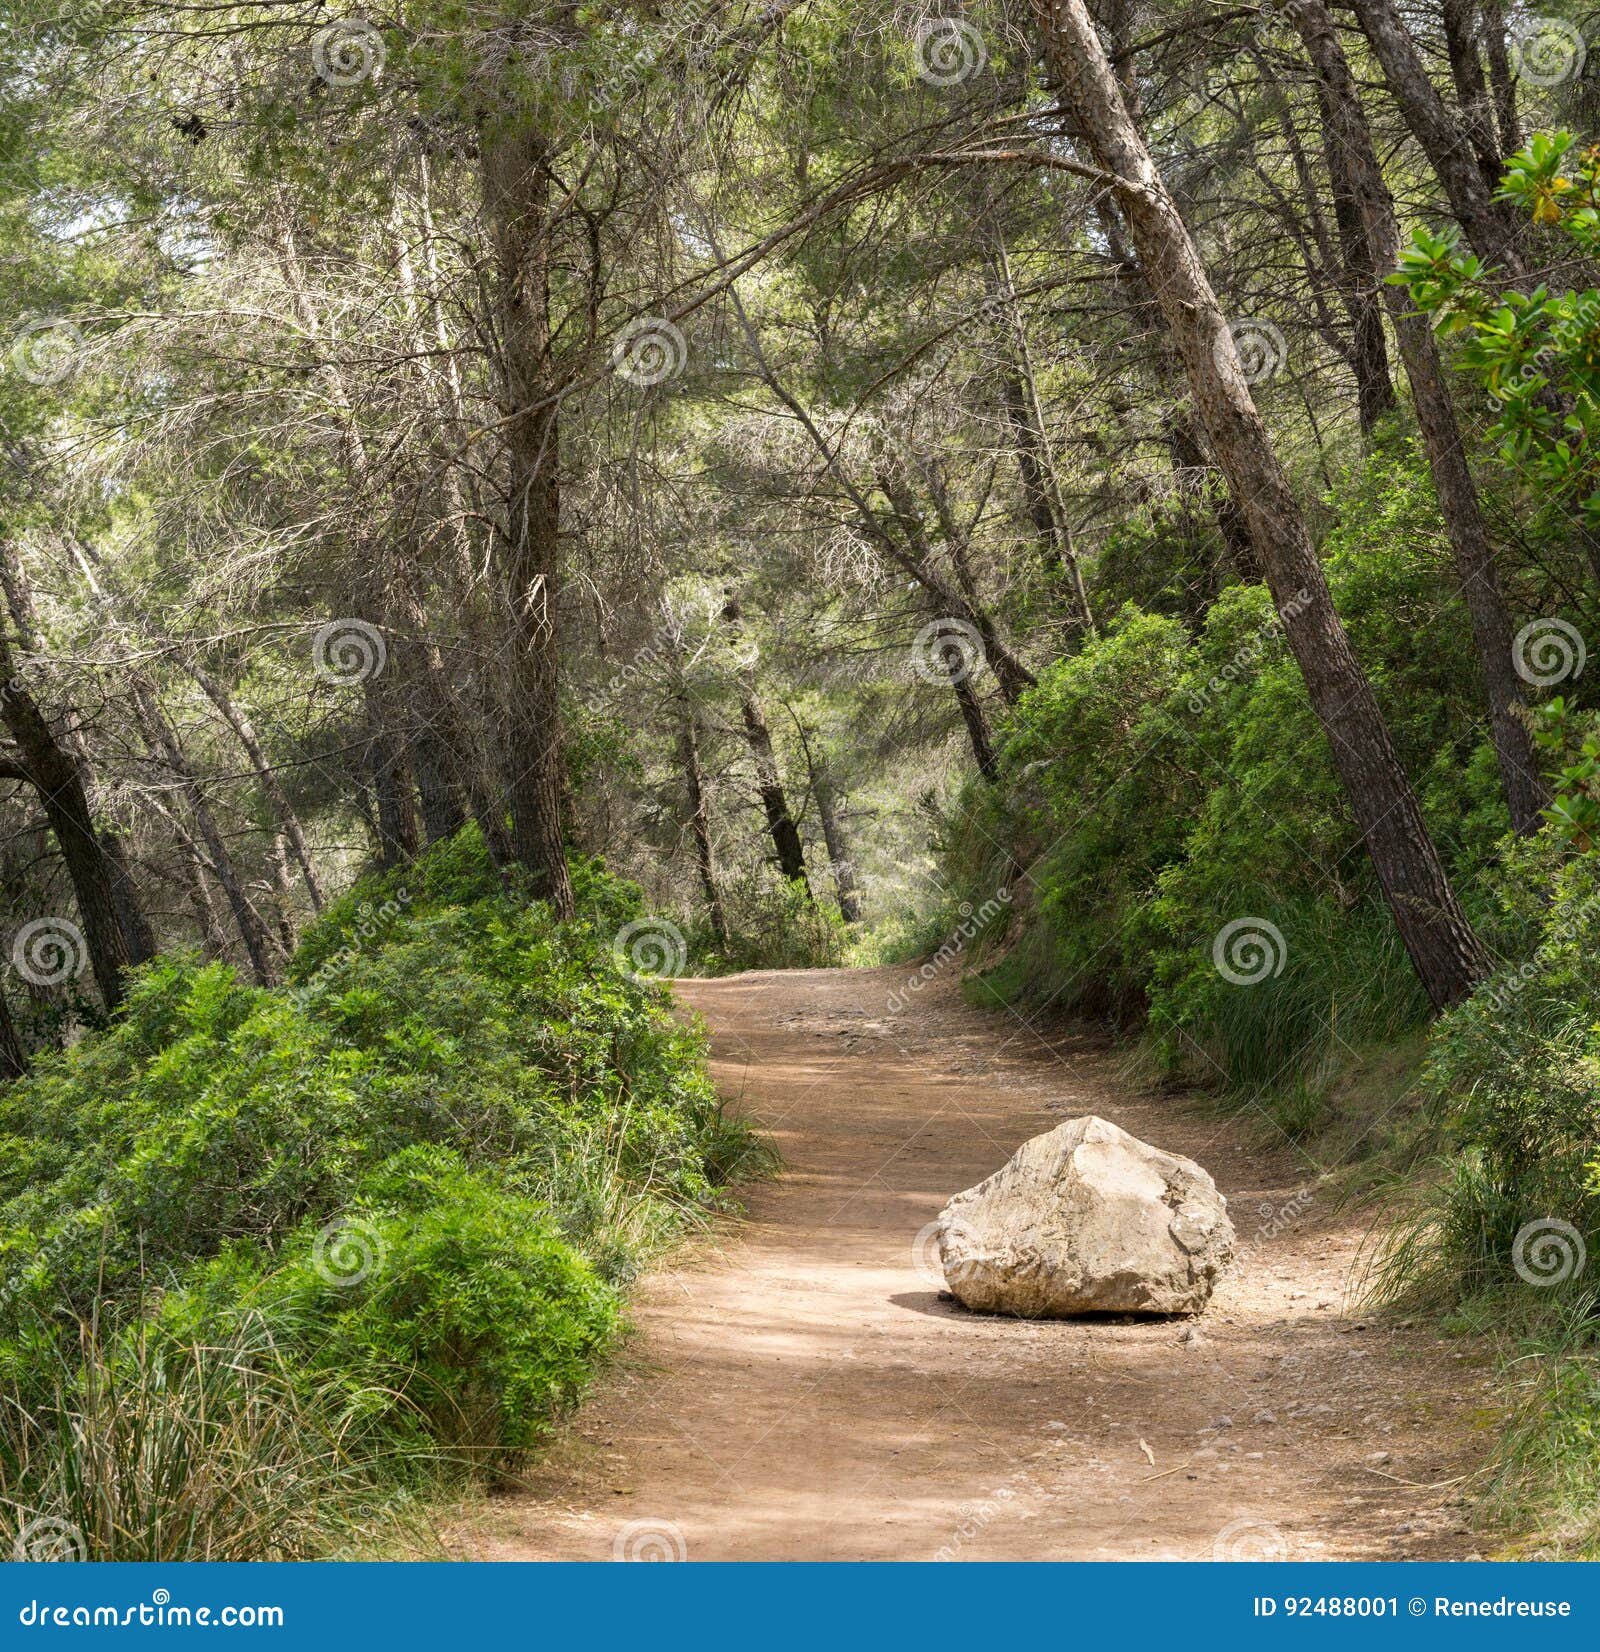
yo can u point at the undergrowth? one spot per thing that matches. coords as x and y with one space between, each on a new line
272 1260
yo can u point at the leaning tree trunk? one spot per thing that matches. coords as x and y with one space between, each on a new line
164 744
976 724
1487 226
57 775
138 938
277 799
1447 954
1357 172
785 834
516 197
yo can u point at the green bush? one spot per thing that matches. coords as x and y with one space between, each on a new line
1513 1078
482 1097
1165 782
772 925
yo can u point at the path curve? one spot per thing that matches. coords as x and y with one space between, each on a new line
801 1392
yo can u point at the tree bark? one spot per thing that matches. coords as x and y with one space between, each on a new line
1360 282
1488 228
13 1059
1500 77
164 744
705 849
1447 954
1349 139
393 796
1035 465
789 850
57 775
277 799
516 196
833 835
1472 89
976 725
139 937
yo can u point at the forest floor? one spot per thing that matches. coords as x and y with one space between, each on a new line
799 1390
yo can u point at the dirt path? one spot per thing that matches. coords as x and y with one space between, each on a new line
804 1393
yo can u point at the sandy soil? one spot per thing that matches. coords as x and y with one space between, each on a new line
802 1391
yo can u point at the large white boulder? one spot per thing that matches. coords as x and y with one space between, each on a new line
1087 1219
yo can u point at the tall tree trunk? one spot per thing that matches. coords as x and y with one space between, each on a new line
393 795
833 835
516 195
1350 141
705 849
58 776
432 763
1472 89
785 834
1447 954
13 1059
137 933
1035 464
1487 226
1360 283
277 799
1500 77
164 743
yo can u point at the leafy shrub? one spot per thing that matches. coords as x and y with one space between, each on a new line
1165 782
1513 1076
479 1094
772 925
